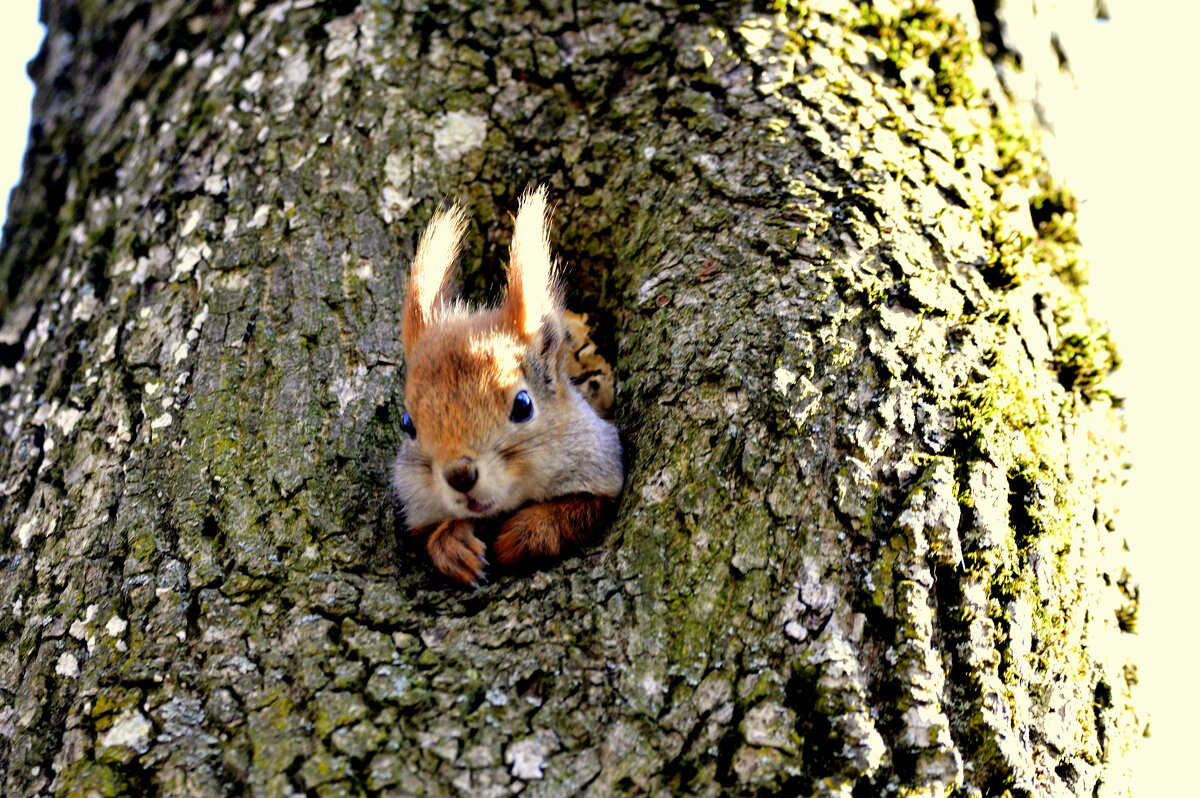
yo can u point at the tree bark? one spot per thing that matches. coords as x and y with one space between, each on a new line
867 541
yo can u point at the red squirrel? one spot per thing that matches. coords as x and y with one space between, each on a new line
496 430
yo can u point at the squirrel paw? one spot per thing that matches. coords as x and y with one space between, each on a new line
540 530
531 532
456 552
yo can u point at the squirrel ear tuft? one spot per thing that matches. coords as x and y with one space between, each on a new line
430 280
532 299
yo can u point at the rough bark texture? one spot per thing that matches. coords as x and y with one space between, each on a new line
866 545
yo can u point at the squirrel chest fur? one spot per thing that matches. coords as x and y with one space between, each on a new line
496 431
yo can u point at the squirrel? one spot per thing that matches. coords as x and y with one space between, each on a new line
496 430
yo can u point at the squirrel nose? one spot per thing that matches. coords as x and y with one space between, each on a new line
462 474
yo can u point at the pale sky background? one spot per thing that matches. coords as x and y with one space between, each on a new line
1129 148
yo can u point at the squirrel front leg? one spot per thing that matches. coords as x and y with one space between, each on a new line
540 530
455 551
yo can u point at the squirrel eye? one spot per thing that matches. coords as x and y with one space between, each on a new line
522 409
407 425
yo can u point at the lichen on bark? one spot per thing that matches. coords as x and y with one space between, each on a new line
866 544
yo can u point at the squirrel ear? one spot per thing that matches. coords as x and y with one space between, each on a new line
532 300
431 276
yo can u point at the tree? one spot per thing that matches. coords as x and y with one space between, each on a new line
866 544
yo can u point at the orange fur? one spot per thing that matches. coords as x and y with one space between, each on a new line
541 530
431 278
532 295
476 379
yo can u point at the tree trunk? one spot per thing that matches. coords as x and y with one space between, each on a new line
866 542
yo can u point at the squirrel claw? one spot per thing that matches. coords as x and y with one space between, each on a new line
457 553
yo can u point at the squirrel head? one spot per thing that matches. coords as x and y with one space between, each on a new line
486 391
